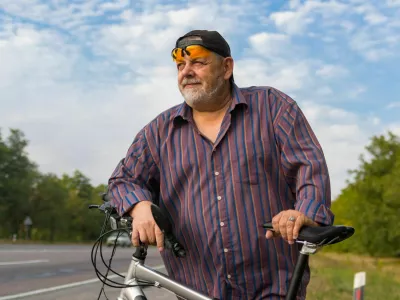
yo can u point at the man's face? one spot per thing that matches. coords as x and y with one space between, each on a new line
200 76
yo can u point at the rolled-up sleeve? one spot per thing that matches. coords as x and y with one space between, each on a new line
304 165
131 181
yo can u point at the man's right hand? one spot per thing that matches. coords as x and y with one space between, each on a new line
144 228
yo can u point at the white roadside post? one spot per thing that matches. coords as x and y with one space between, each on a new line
359 286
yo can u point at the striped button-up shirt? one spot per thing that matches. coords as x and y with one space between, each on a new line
265 159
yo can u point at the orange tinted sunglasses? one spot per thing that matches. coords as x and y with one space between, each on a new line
193 51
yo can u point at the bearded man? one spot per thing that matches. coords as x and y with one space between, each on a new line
221 164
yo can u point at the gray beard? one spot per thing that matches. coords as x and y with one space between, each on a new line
195 96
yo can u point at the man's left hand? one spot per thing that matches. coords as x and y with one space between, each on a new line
287 224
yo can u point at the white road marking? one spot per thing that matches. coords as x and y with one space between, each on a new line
65 286
23 262
10 251
46 250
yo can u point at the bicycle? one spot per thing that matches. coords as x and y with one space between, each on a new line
140 275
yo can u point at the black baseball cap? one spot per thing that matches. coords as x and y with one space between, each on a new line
212 40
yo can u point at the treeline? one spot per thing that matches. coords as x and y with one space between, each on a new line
371 201
57 207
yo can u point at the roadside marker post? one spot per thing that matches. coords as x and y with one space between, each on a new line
359 286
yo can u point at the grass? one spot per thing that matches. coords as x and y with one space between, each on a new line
332 276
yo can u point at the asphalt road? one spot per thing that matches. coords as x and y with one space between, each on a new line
30 268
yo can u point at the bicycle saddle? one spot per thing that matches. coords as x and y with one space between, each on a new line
323 235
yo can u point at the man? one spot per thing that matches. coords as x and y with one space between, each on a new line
221 164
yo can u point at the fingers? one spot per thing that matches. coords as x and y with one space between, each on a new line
143 231
150 232
287 224
269 234
135 237
297 226
275 223
159 238
290 224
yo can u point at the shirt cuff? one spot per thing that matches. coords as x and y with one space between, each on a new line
316 211
124 202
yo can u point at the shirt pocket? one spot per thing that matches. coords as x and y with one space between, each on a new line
249 164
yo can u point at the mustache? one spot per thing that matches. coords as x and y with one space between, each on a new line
186 81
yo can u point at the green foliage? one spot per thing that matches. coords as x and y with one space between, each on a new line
332 277
57 206
17 176
371 202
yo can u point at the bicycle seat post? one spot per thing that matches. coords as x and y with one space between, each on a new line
306 250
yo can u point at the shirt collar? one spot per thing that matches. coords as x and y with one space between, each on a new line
184 112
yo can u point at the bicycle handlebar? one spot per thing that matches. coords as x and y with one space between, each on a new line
170 241
319 235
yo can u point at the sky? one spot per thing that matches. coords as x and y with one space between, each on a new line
81 78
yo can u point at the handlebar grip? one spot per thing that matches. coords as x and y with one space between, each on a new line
172 243
268 226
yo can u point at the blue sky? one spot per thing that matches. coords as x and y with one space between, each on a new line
81 78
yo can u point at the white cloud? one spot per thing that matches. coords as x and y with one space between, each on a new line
269 44
297 20
114 5
394 128
293 4
371 14
393 105
356 91
284 76
291 22
393 3
375 40
343 136
331 71
375 120
347 25
324 91
34 58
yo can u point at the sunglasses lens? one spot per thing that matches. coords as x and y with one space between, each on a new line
193 51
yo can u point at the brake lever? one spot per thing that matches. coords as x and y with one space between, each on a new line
126 222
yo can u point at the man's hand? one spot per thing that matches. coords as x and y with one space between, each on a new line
287 224
144 228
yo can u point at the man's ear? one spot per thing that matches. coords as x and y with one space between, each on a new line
228 67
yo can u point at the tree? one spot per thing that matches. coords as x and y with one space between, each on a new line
84 224
17 175
58 207
371 202
48 208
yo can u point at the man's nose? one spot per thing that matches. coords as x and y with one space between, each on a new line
187 71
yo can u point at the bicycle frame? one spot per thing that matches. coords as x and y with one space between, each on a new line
139 271
312 238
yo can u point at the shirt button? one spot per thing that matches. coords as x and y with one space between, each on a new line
226 250
219 197
222 223
216 173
